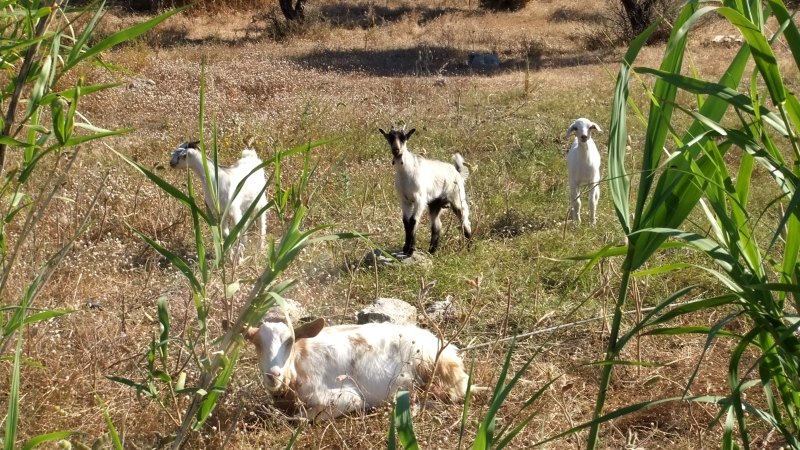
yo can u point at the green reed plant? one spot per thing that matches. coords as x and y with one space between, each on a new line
40 46
214 357
759 276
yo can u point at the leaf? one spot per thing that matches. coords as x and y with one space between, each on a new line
232 288
762 53
12 418
111 429
41 439
163 320
175 260
402 420
118 38
730 96
38 88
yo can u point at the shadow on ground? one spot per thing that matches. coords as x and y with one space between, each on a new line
348 16
428 61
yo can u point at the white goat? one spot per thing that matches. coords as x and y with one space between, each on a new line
422 182
583 164
188 155
324 372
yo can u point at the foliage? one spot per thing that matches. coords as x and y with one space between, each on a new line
40 48
760 276
503 5
626 19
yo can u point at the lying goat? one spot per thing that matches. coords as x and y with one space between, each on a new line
583 165
422 183
324 372
188 155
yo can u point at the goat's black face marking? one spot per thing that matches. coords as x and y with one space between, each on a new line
397 140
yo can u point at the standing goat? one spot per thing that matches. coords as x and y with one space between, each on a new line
188 155
422 182
583 164
324 372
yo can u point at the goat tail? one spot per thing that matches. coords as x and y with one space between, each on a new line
461 167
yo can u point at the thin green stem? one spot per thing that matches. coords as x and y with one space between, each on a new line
612 350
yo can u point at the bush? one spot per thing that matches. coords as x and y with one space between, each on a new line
503 5
620 28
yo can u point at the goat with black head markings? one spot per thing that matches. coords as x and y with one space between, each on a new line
425 183
188 155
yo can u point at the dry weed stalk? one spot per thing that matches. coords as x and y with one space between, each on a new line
443 342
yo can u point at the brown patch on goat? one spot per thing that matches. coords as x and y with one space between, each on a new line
360 344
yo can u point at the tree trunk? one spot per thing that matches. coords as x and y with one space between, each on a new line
295 12
640 14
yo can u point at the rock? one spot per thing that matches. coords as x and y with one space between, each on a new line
141 84
718 39
399 258
444 310
390 310
295 310
483 60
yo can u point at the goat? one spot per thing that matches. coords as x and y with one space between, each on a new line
422 182
583 165
324 372
187 155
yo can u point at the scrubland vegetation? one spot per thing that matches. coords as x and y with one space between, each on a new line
313 96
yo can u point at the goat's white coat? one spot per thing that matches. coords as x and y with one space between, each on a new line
349 368
229 178
426 183
583 164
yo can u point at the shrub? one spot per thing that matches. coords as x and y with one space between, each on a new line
621 23
503 5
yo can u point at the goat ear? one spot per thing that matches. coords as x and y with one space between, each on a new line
570 130
309 330
408 135
194 145
385 134
250 333
595 127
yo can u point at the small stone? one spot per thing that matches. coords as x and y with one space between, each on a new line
390 310
443 310
294 310
397 257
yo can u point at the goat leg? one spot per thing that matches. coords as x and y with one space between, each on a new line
409 224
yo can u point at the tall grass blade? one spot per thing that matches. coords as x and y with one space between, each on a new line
120 37
762 53
113 431
619 182
41 439
465 410
12 418
720 91
403 423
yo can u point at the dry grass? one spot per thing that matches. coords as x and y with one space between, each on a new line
356 67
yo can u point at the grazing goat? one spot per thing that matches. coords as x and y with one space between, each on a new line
583 164
188 155
324 372
422 182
